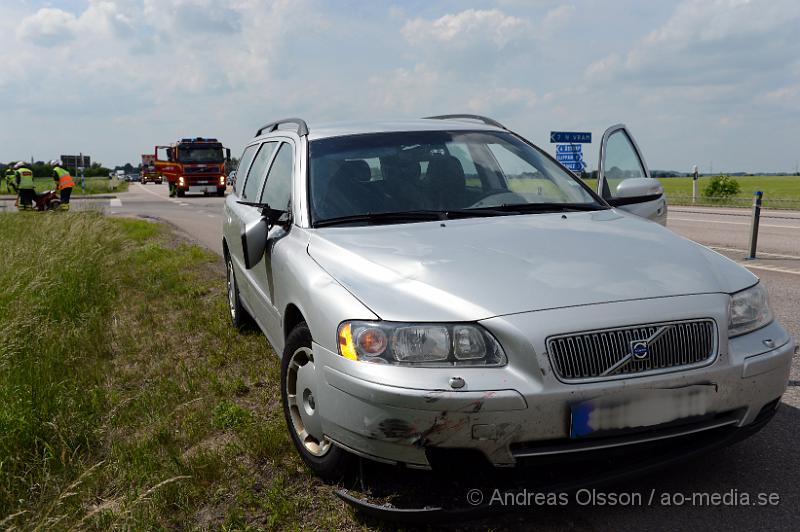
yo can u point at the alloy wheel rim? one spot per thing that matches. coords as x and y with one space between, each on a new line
302 403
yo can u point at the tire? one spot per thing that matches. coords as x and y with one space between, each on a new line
221 193
326 460
240 319
55 204
181 193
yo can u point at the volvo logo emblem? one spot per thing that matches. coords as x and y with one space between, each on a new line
639 349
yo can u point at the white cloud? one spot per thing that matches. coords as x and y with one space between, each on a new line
466 29
710 41
48 27
125 74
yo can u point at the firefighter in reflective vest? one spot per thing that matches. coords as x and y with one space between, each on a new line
64 183
9 179
23 181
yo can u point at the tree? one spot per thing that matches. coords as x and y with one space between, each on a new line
721 186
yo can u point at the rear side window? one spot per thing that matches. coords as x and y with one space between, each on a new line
278 190
255 176
244 165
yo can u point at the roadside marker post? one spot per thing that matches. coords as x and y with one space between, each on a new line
695 176
754 225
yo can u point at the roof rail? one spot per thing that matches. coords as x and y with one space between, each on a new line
302 127
485 120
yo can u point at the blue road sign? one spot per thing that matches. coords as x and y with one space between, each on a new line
568 157
575 166
571 136
569 148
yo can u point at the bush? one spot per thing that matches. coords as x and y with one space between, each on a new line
721 186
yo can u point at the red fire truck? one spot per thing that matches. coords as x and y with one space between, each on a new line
148 172
193 165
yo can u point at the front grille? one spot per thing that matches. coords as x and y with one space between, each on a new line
609 354
199 170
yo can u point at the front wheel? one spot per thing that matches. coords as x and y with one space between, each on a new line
299 382
239 316
181 193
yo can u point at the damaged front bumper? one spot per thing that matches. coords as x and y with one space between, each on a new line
522 411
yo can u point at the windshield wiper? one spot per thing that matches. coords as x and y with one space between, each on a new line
412 216
549 207
383 218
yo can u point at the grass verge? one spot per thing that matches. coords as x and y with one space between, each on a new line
93 185
126 399
780 192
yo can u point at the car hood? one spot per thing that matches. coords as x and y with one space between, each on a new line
477 268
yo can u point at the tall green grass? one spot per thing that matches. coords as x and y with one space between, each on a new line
127 401
57 288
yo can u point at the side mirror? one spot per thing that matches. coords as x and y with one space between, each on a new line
227 155
639 186
232 178
255 235
254 241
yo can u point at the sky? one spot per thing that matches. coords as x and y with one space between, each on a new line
714 83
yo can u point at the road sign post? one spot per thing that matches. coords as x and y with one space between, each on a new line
754 224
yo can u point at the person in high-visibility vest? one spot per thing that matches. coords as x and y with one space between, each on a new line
9 179
24 184
64 183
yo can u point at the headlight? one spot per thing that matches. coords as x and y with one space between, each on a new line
748 310
419 344
181 181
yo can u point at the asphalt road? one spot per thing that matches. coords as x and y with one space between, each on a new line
197 216
767 463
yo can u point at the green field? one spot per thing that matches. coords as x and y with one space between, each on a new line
779 191
94 185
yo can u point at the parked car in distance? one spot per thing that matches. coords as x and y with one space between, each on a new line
443 286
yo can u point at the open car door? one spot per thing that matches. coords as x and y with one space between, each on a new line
624 180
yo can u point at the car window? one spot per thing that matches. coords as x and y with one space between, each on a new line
255 176
524 178
278 190
621 161
241 170
433 170
460 151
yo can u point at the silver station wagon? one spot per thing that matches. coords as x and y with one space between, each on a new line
443 286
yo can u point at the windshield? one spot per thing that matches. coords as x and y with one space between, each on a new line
200 154
434 171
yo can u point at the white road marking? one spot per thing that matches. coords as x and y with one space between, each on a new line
776 255
145 189
183 204
211 215
115 202
769 268
731 223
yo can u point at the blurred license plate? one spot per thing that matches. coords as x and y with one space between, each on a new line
643 408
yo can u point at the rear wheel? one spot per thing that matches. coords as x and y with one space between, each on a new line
299 381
